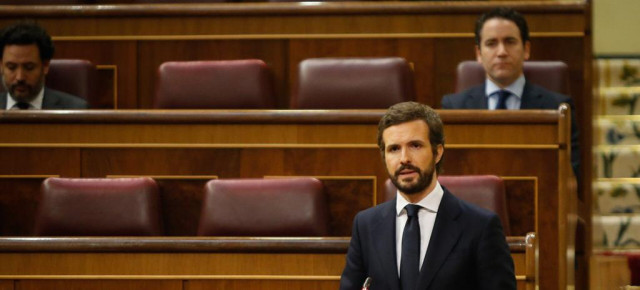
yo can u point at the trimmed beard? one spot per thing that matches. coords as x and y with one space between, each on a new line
32 90
424 179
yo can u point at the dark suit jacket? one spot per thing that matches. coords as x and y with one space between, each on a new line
54 100
467 250
533 98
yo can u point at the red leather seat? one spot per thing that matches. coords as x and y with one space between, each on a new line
551 75
264 207
99 207
486 191
73 76
226 84
353 83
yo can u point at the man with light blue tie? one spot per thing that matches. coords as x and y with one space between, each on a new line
502 46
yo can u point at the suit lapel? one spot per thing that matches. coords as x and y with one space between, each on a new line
3 101
384 240
477 99
531 98
445 235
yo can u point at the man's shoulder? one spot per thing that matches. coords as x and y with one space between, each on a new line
461 100
551 96
376 211
62 100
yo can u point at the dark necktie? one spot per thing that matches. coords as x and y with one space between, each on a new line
502 99
410 260
23 105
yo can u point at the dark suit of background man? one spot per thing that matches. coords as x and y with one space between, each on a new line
26 50
457 245
502 46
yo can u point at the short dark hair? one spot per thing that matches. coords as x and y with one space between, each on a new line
410 111
504 13
26 33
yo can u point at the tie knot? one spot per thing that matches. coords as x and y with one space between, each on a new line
412 210
503 95
23 105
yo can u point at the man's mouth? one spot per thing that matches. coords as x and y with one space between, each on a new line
20 87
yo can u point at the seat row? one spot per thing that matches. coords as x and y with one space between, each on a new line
323 83
230 207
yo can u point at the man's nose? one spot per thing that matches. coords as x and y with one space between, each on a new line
20 74
404 156
502 50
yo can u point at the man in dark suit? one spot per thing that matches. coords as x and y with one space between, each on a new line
425 238
502 46
26 50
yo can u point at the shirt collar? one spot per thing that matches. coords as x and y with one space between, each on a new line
516 88
431 202
36 104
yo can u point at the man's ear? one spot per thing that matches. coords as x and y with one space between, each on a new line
478 55
440 150
45 66
527 50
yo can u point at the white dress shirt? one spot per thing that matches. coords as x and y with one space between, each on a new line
426 218
36 104
513 102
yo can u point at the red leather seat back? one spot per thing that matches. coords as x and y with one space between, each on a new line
353 83
73 76
486 191
551 75
264 207
99 207
227 84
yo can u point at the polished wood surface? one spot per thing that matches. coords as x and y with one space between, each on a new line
128 42
188 263
182 149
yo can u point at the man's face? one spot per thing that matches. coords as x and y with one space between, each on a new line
409 157
501 51
23 72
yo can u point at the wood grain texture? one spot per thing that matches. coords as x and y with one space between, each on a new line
99 285
6 285
322 145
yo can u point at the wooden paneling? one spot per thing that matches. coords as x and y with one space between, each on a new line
261 284
184 264
181 205
193 263
434 36
337 146
6 285
521 194
121 56
19 198
49 161
99 285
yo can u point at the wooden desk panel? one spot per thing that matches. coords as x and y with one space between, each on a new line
130 41
187 263
333 145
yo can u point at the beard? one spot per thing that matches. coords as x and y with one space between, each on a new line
29 94
424 179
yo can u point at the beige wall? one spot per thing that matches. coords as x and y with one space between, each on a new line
616 27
